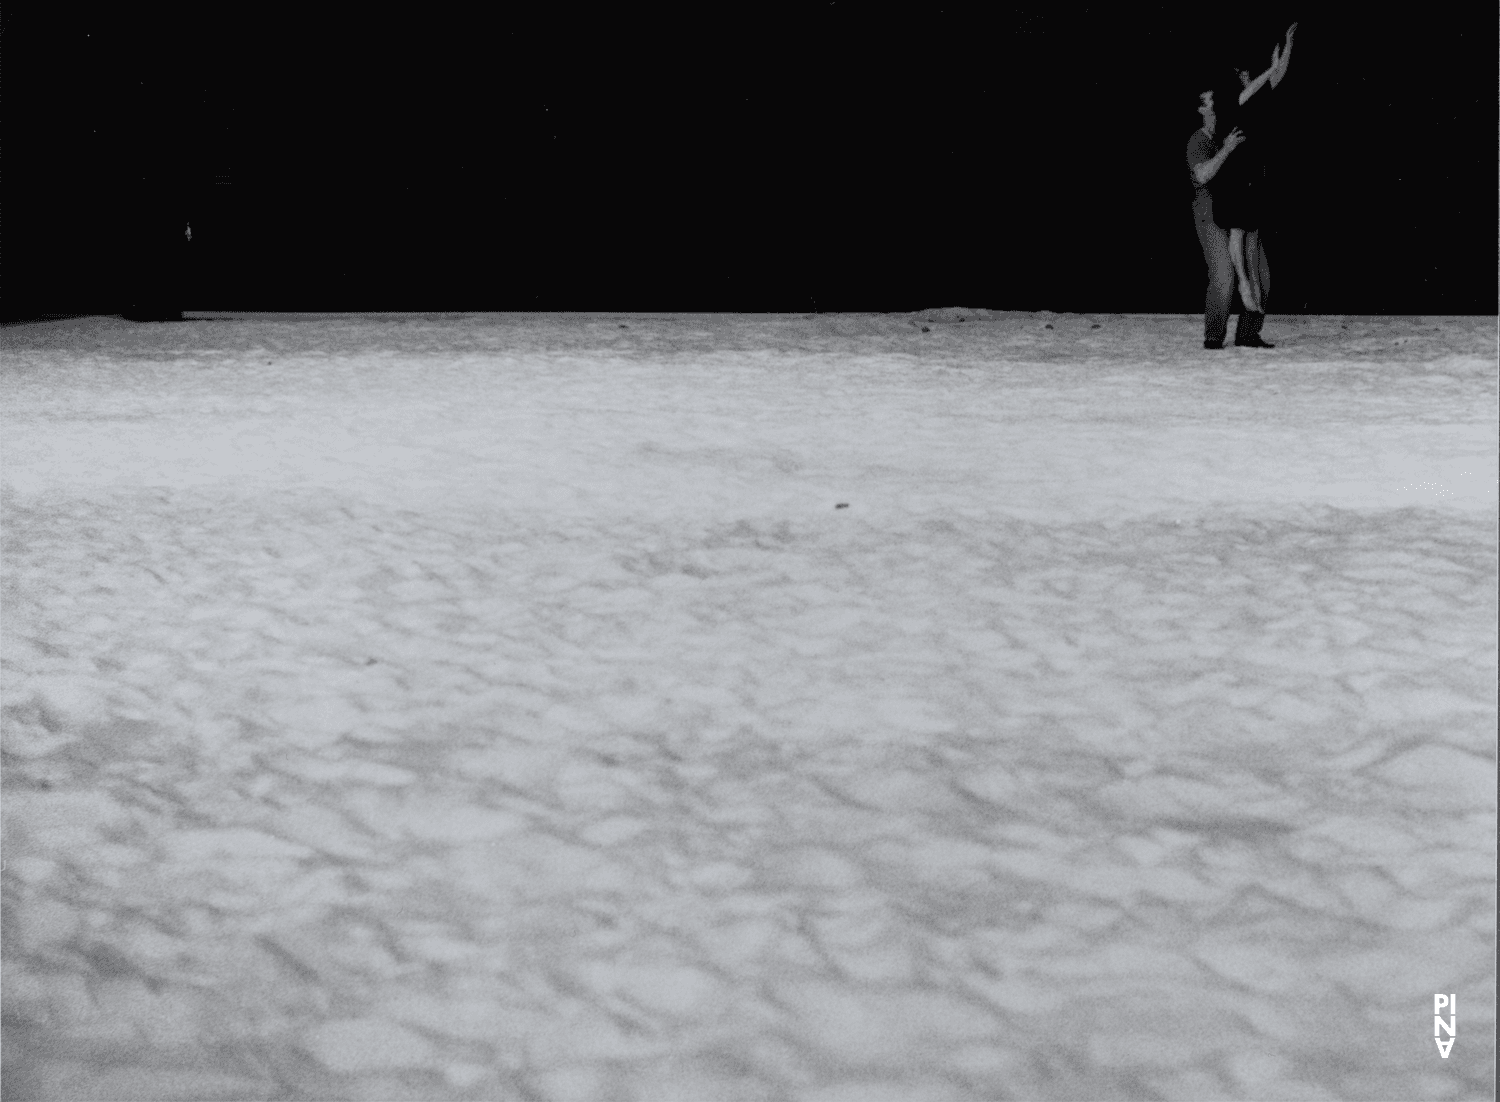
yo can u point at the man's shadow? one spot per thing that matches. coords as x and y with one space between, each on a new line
154 315
165 315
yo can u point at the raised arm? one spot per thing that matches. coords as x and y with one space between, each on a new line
1279 64
1256 84
1277 72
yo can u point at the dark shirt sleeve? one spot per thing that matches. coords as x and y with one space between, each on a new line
1199 149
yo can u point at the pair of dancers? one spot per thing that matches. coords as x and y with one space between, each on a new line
1228 215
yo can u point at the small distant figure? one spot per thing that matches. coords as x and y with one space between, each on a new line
155 280
1228 205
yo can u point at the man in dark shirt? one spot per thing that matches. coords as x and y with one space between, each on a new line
1206 157
1203 151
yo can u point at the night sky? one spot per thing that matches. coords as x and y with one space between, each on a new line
820 156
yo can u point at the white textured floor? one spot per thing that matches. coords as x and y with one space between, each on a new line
748 707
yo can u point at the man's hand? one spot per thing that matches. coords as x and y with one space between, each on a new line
1208 169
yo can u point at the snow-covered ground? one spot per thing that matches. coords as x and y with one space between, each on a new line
695 707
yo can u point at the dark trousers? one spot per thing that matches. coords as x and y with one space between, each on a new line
1221 279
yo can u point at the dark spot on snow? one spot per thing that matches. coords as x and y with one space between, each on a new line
1094 326
926 330
108 961
369 661
842 505
1229 828
1049 325
624 327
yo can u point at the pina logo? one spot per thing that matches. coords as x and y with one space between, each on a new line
1450 1027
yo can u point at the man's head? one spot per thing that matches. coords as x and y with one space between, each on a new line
1206 109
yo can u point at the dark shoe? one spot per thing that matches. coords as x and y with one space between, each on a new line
1215 345
1252 342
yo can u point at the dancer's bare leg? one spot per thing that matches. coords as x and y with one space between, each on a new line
1256 269
1248 293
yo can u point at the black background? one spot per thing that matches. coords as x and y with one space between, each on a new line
744 157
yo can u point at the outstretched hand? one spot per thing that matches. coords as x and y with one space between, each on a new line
1235 137
1280 60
